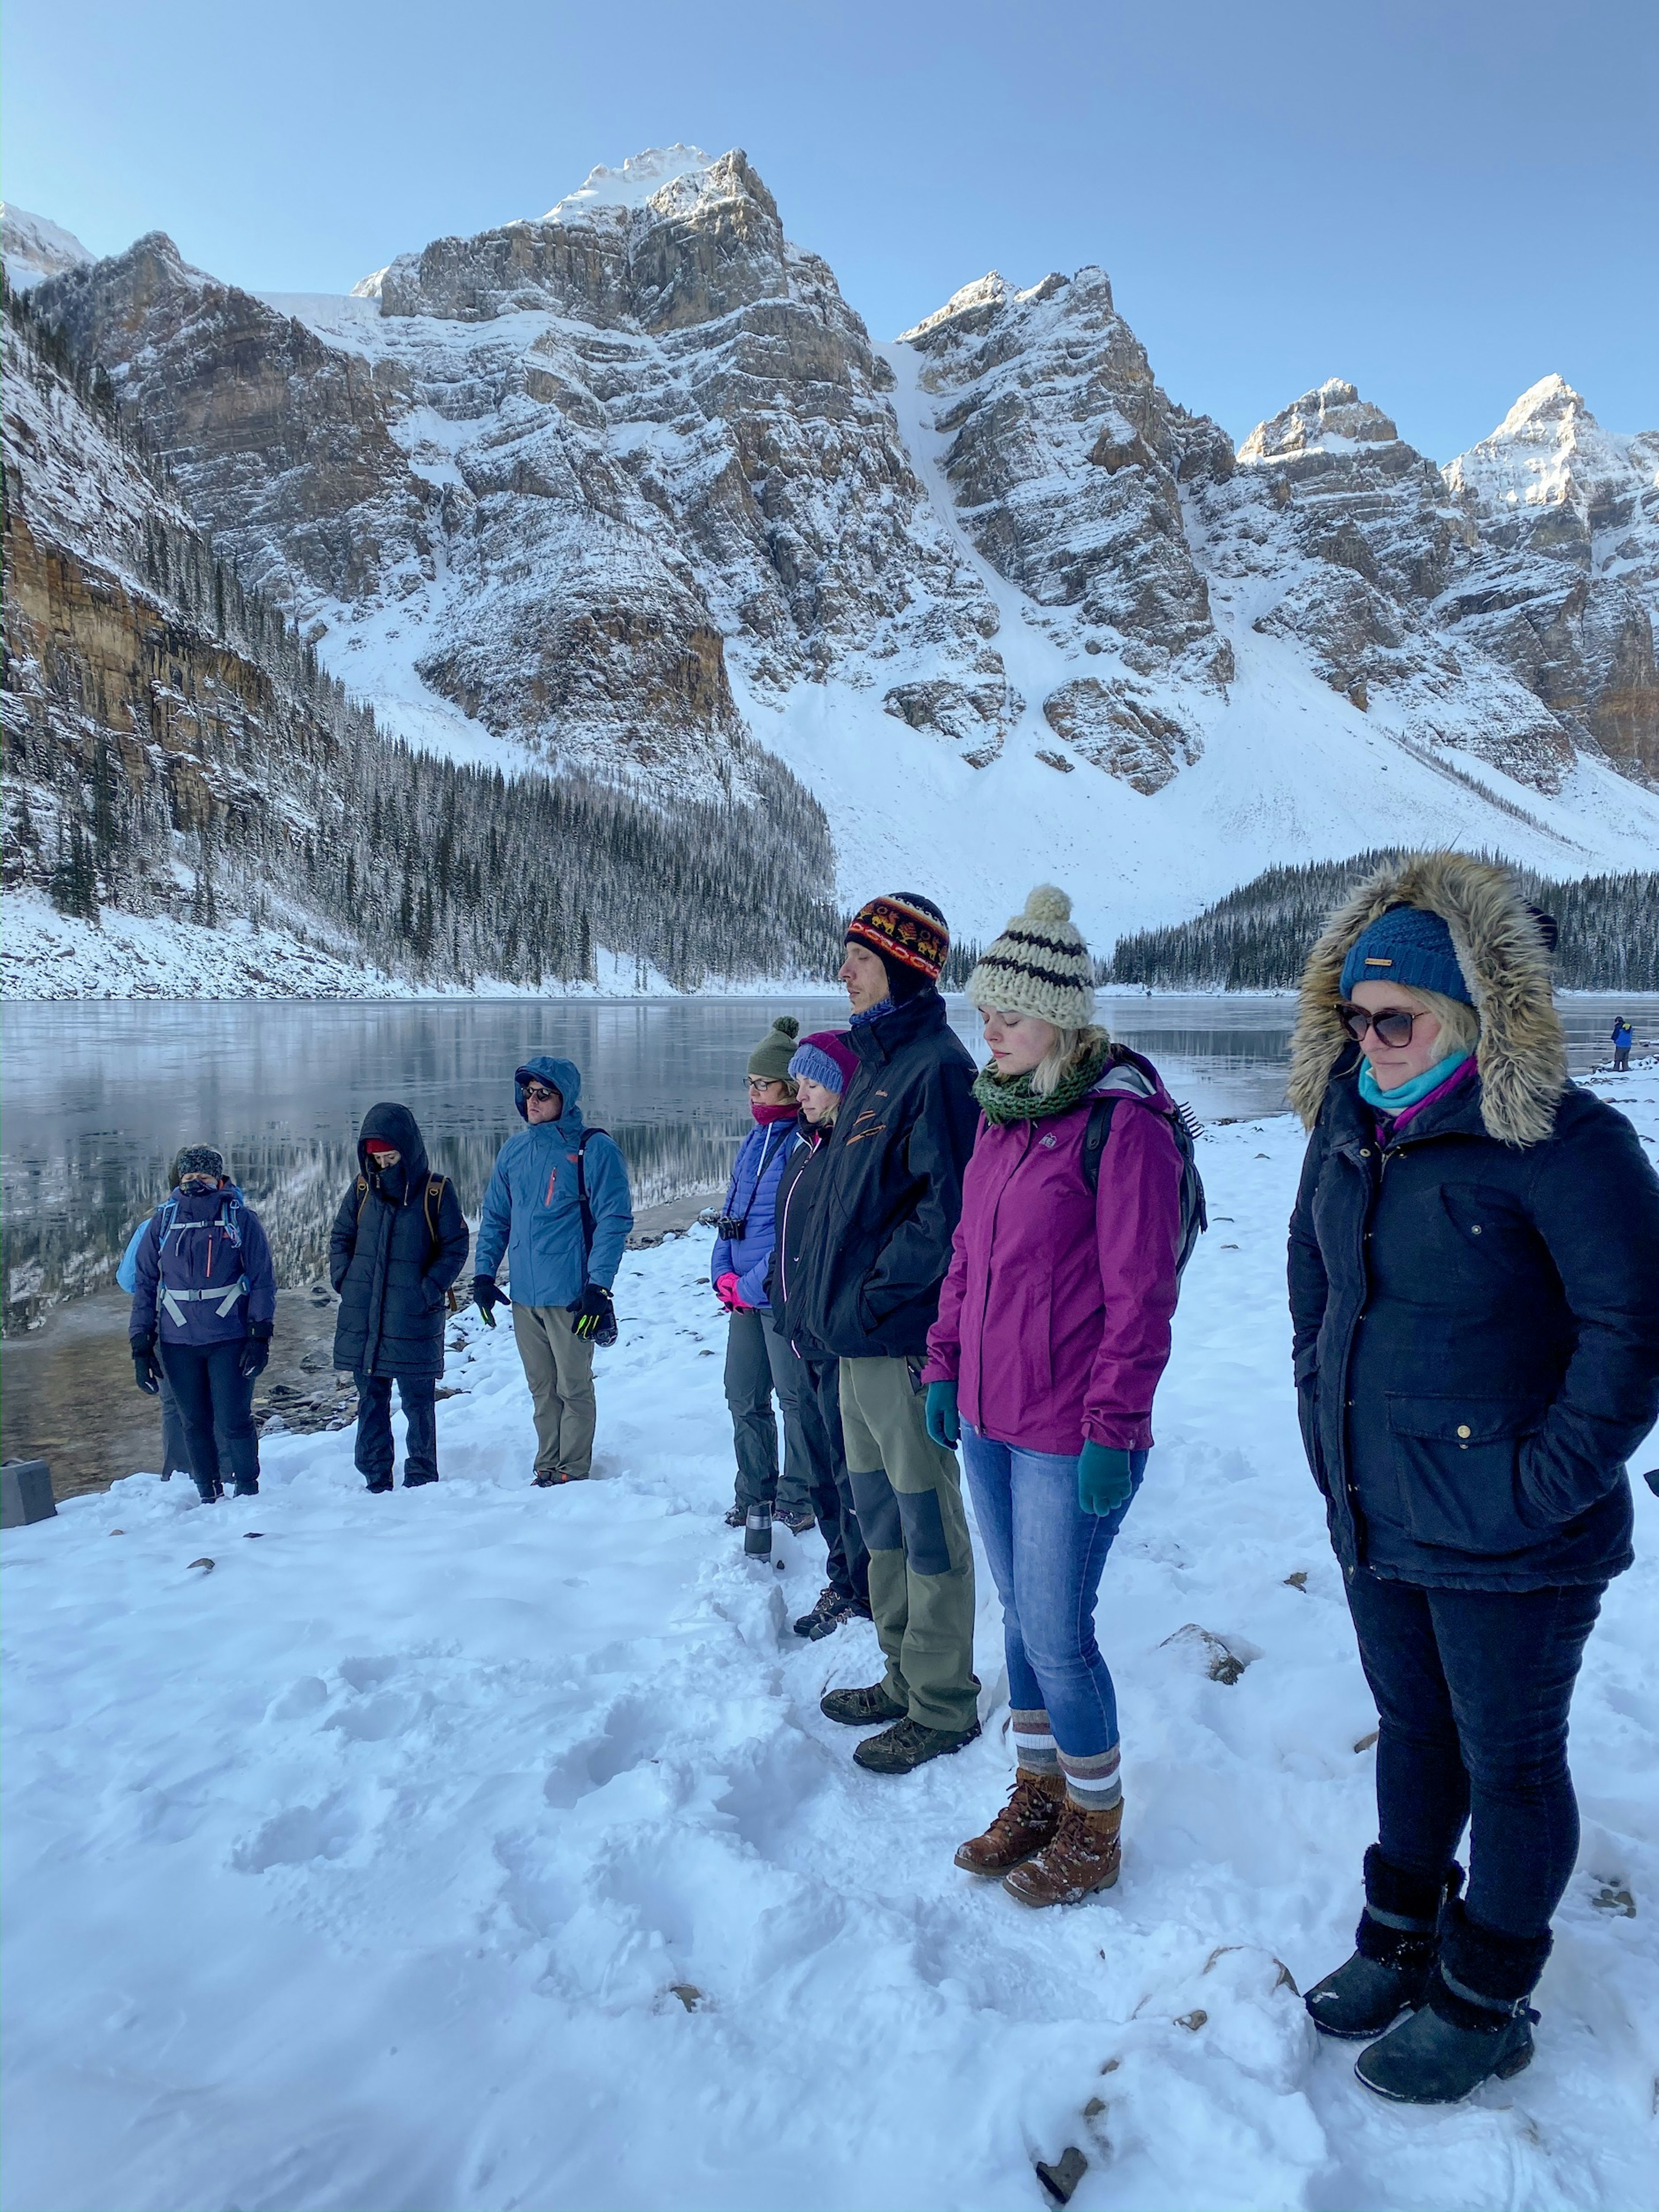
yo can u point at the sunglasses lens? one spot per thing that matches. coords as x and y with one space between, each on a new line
1394 1028
1355 1022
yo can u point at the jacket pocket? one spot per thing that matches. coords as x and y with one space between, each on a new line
1459 1464
1307 1415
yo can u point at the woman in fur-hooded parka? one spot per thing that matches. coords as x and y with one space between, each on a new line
1476 1342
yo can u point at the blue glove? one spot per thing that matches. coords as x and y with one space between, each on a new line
943 1422
1104 1483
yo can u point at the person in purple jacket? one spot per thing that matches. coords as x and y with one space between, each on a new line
203 1306
1053 1331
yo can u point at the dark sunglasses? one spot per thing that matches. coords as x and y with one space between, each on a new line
542 1091
1393 1025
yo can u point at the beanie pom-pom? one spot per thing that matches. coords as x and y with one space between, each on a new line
788 1024
1048 904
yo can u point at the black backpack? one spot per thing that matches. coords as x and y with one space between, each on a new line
605 1334
1184 1127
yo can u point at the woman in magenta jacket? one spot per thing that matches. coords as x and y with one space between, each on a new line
1052 1330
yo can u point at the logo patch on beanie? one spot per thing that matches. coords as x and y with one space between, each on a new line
1371 961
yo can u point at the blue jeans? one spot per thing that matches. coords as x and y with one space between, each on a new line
1045 1556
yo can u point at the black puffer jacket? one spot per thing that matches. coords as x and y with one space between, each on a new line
391 1271
886 1192
1475 1303
793 1211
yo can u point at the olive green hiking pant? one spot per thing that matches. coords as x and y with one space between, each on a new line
907 1491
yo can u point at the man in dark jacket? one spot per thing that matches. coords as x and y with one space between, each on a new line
884 1202
399 1242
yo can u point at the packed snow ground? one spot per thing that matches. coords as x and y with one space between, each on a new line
487 1849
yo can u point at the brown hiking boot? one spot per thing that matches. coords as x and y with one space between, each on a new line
1020 1830
1082 1857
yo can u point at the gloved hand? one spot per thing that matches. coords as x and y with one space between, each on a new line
1104 1483
726 1289
593 1309
943 1422
256 1356
146 1368
487 1292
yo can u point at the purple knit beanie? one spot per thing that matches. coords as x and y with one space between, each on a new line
826 1057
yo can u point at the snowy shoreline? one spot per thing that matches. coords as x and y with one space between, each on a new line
485 1848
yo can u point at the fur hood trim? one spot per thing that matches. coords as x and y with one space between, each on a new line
1523 1053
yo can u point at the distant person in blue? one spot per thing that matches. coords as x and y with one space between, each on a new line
399 1241
558 1208
203 1301
1624 1036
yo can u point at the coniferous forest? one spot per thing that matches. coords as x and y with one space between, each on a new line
1259 937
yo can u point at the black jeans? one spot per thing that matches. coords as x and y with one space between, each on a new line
374 1454
215 1401
1472 1690
831 1490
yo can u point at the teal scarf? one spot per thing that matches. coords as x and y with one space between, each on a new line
1408 1094
1014 1100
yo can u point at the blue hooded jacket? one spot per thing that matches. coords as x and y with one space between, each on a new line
752 1194
531 1212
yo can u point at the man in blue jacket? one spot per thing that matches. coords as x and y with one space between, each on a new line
561 1266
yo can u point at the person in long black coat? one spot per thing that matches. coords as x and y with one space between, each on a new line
399 1241
1476 1343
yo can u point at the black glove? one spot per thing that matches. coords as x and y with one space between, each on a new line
595 1312
146 1368
256 1356
487 1294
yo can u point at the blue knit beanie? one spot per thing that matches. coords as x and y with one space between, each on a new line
1408 944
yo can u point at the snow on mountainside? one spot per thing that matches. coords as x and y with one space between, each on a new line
35 248
601 489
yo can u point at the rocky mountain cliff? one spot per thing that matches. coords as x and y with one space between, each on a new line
622 488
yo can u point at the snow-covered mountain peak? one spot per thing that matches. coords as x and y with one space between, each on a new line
640 178
1549 450
1332 418
35 247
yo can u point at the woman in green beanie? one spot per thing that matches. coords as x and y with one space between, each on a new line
757 1361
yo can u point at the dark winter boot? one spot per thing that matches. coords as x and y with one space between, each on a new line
209 1493
1396 1945
1474 2025
1084 1856
798 1519
826 1616
248 1489
378 1489
861 1708
1020 1830
735 1517
908 1745
757 1532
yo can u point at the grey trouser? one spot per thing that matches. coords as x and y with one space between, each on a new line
757 1363
558 1365
908 1490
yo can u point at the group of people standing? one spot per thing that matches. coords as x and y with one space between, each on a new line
936 1270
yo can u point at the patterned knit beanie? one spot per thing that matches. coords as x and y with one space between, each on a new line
908 932
1040 965
197 1159
1407 944
826 1057
770 1058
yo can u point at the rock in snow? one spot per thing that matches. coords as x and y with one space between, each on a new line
486 1848
610 487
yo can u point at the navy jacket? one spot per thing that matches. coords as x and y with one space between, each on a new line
1476 1340
886 1194
751 1196
794 1207
195 1242
531 1212
390 1272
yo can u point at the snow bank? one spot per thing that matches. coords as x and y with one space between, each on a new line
487 1848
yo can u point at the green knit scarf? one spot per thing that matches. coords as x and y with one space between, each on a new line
1014 1100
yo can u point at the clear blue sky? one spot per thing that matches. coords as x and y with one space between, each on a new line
1441 199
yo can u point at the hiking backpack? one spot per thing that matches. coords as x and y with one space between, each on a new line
1184 1127
604 1336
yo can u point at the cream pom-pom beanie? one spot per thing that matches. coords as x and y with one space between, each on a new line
1040 965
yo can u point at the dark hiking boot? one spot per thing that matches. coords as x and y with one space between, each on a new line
757 1532
245 1489
1084 1857
418 1482
798 1519
1447 2048
379 1489
861 1708
1474 2024
551 1478
736 1516
1396 1944
209 1493
1020 1830
825 1617
906 1745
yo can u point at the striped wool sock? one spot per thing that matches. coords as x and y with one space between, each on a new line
1034 1742
1092 1783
